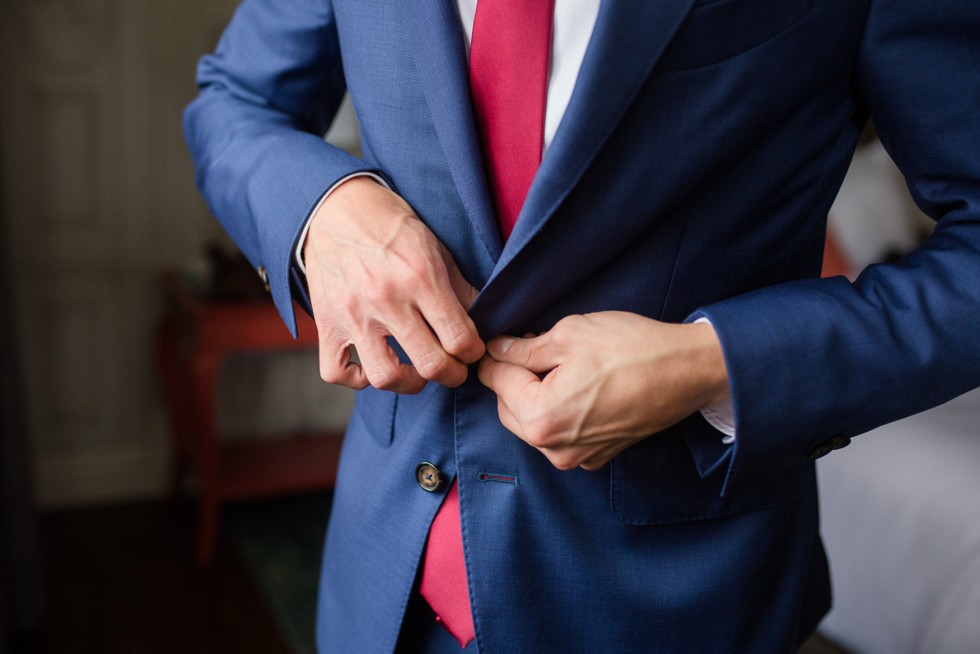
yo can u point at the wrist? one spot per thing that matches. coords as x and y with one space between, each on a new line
344 191
300 249
709 362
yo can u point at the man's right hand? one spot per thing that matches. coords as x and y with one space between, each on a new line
375 270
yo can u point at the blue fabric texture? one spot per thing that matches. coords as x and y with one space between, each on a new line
691 176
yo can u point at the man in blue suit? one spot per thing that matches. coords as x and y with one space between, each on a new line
661 275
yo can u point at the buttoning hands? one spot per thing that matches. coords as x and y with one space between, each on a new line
375 270
580 393
598 383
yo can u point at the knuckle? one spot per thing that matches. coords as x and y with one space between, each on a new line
527 355
566 329
461 341
331 370
419 269
560 334
380 292
415 268
455 337
330 374
540 432
345 308
384 380
563 460
533 438
433 364
381 375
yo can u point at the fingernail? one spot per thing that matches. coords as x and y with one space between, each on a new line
501 345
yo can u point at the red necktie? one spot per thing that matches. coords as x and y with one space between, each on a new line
509 53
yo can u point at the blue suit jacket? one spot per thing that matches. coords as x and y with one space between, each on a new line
691 175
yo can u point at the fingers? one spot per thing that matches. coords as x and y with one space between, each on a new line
595 460
538 354
430 360
335 355
508 419
377 365
445 311
550 413
563 457
383 369
336 366
513 384
520 404
452 326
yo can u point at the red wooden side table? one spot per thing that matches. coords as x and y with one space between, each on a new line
195 337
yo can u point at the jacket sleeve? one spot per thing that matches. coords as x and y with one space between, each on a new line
267 95
812 359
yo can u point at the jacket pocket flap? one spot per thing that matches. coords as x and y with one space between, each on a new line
716 31
376 411
656 482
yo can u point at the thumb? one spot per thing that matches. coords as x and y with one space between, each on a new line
536 353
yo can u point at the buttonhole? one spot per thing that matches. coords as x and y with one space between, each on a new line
502 479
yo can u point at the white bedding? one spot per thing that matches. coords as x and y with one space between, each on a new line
901 522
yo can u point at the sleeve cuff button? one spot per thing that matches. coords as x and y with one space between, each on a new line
264 276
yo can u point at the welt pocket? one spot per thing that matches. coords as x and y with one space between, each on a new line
375 410
656 483
717 30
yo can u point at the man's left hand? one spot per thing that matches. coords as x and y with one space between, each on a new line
597 383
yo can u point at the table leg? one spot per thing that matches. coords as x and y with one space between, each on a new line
169 363
203 386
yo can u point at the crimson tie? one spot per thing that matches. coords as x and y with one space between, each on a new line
509 52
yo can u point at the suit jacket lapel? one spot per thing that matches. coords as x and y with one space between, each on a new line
440 53
626 42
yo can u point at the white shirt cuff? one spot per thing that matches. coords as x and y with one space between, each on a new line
298 254
721 416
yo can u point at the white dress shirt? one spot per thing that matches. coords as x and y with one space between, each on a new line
574 21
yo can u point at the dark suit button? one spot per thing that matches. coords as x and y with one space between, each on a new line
428 477
828 446
820 451
264 276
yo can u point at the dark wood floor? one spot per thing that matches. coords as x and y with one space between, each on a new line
122 579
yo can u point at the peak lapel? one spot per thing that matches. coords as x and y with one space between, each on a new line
440 54
626 42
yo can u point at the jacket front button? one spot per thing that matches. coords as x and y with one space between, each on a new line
428 477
